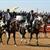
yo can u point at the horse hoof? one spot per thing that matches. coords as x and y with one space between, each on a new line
37 44
26 42
21 41
15 45
7 44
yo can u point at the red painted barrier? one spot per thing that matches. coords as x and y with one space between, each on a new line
47 28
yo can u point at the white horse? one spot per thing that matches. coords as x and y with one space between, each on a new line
22 25
2 27
19 18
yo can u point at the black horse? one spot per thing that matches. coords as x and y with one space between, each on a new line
11 28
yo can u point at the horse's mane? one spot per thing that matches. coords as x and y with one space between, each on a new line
37 24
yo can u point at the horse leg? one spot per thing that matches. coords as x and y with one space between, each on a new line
6 34
22 34
8 38
0 38
14 38
21 37
37 39
45 31
30 37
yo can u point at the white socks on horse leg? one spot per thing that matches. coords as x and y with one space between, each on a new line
21 37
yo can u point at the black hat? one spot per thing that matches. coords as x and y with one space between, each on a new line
8 10
32 11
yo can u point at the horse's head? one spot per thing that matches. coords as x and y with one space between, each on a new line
45 18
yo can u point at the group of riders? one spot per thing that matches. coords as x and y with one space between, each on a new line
12 22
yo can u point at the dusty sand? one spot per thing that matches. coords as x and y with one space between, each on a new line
43 42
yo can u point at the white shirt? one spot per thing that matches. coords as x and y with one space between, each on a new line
7 16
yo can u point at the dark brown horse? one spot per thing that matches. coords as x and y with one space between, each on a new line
36 25
13 27
45 19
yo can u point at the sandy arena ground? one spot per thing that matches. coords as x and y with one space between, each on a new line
43 42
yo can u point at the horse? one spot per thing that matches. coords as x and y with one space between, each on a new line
45 19
22 20
12 28
2 28
36 25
